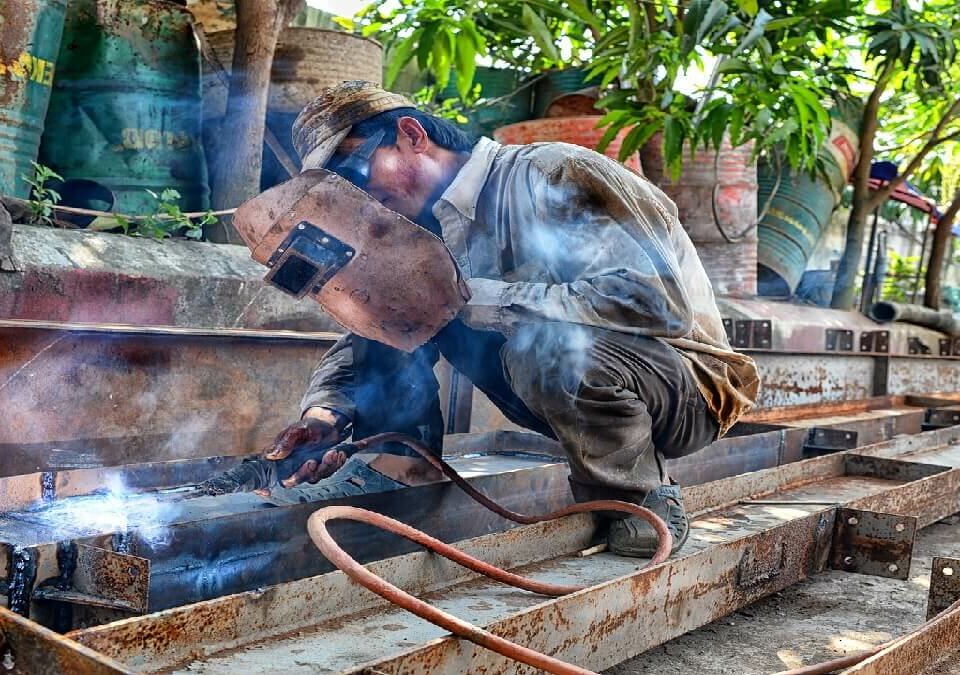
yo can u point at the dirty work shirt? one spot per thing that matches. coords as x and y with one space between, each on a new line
553 234
556 232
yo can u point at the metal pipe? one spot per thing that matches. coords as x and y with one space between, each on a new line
942 320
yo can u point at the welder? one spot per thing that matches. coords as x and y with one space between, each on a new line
585 314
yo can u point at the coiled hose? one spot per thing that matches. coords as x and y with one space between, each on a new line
317 527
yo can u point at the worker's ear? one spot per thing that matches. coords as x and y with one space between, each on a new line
411 133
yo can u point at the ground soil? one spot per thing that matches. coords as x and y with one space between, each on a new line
833 614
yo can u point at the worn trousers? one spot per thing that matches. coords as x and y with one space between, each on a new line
618 404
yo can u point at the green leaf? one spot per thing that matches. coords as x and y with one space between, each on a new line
672 142
466 66
441 58
756 31
540 33
579 7
748 6
733 65
424 45
399 57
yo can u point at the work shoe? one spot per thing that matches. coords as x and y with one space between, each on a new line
636 538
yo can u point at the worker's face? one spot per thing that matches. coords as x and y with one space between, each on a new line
405 177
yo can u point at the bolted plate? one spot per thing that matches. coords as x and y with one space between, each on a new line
874 543
944 585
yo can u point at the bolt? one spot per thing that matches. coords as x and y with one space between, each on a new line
325 240
853 520
848 560
349 254
892 567
899 527
301 226
947 571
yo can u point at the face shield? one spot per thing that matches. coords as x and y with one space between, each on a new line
375 272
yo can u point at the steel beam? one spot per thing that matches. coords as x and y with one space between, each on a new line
931 651
737 554
27 648
148 395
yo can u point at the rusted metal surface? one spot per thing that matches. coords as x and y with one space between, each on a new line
206 547
933 651
27 648
737 554
175 635
609 623
119 580
131 398
867 542
944 585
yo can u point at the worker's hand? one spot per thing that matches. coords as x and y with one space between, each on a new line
312 470
319 429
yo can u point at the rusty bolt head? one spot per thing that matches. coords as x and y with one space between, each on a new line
892 567
853 520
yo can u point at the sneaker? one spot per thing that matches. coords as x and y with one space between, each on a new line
636 538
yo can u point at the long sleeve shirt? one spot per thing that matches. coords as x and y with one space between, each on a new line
555 232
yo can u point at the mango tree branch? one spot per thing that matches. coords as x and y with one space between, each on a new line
933 141
938 253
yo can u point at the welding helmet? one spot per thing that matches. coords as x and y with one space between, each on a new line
376 273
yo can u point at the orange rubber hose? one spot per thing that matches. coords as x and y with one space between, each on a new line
317 527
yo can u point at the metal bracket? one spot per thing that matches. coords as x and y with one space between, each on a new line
824 441
868 542
940 418
917 346
950 346
104 578
749 333
875 341
944 585
839 340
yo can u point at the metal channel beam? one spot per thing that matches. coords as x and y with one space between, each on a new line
932 651
135 396
209 547
636 611
27 648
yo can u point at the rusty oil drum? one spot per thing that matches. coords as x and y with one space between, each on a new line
30 32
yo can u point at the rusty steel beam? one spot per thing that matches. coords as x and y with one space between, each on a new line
27 648
737 554
931 651
80 399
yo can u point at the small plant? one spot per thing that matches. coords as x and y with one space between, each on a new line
168 221
42 198
901 282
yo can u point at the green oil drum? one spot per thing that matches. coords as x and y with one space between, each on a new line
505 101
29 42
798 205
126 106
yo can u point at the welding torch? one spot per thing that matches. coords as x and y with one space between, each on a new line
260 474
